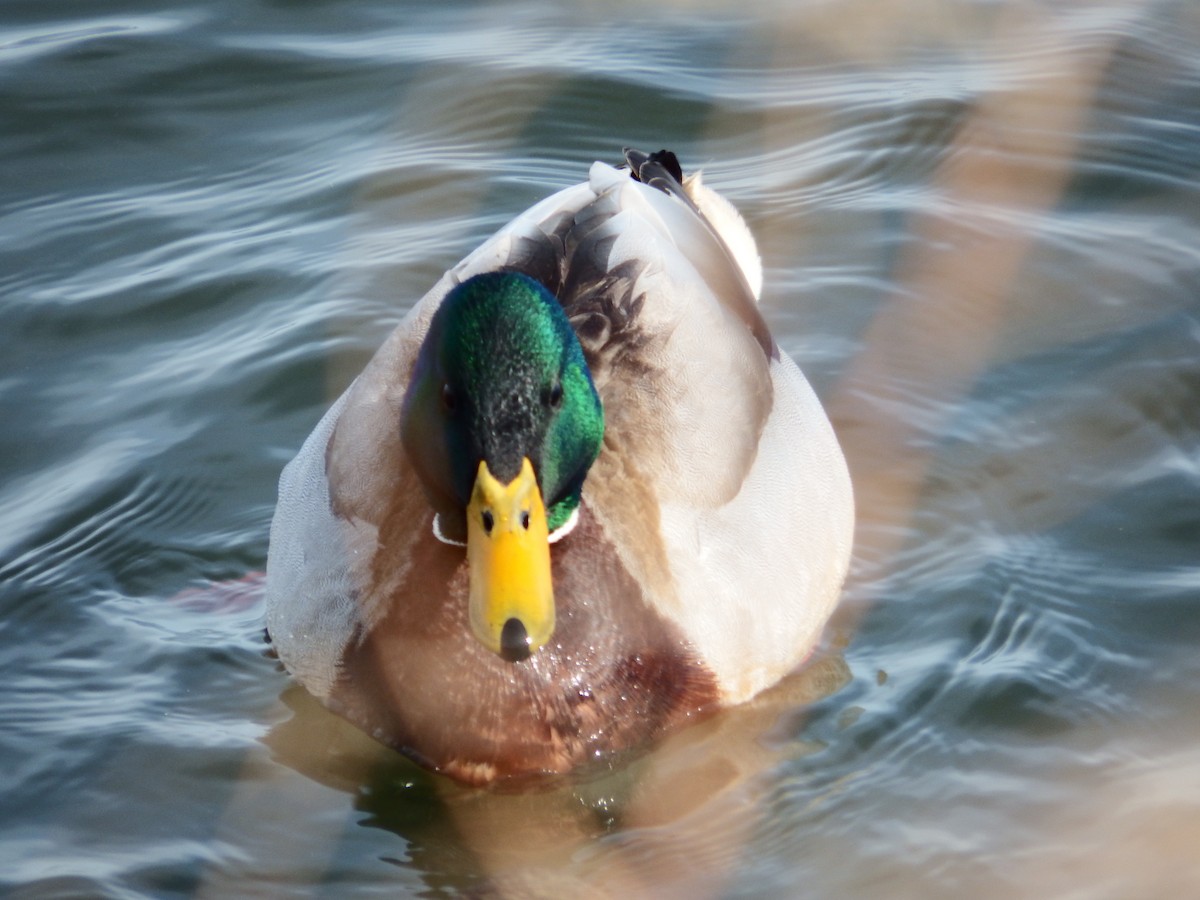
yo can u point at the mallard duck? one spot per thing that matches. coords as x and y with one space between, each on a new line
578 497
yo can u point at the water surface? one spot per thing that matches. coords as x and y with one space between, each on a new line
980 229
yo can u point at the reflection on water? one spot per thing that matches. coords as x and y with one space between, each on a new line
979 228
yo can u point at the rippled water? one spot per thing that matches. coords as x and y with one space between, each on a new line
981 230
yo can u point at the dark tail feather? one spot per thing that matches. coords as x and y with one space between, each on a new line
659 170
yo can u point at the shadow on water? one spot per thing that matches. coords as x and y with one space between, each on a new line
673 818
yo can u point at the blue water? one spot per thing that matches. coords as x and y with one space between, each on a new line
980 225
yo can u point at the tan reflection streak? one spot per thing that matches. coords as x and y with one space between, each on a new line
931 339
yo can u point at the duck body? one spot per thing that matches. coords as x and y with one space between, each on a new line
702 548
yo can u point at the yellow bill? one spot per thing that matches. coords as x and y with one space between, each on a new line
508 556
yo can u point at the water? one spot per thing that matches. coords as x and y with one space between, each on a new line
980 227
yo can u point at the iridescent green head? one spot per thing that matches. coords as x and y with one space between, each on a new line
501 388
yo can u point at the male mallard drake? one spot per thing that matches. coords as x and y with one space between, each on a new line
655 511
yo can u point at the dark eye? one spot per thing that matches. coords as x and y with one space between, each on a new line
554 395
449 399
488 522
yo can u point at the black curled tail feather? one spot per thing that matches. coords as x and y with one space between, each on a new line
659 170
647 165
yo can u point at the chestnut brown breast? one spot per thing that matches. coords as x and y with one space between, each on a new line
614 676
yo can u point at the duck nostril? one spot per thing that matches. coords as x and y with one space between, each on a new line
525 520
514 641
489 521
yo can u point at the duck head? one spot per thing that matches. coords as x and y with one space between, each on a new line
501 422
